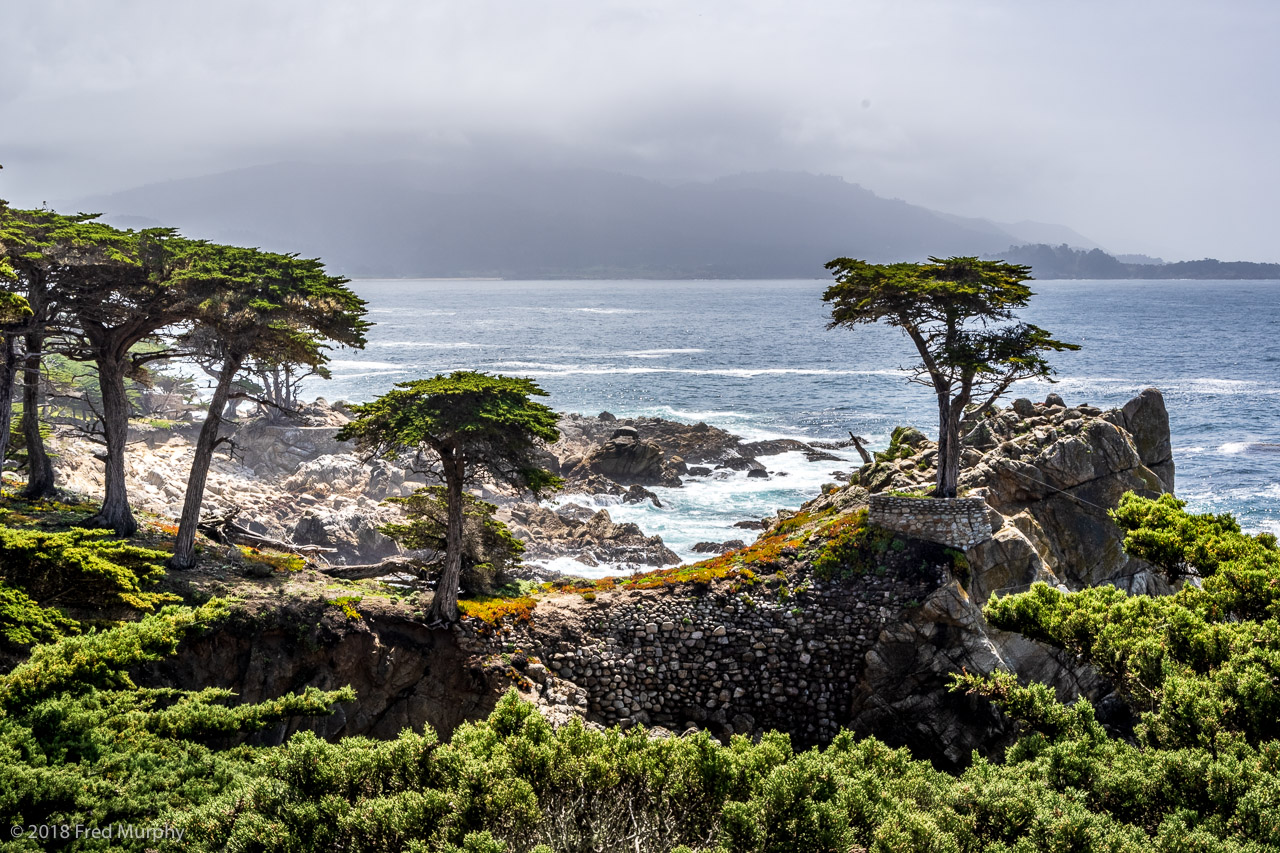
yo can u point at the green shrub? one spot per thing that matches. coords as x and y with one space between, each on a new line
853 548
80 743
81 567
23 622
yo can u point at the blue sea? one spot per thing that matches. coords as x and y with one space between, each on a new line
755 358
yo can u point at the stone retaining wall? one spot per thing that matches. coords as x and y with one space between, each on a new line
956 522
765 657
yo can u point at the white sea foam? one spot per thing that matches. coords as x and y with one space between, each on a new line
672 413
424 344
360 364
363 374
415 313
528 365
704 509
659 353
734 372
609 310
1219 386
1233 447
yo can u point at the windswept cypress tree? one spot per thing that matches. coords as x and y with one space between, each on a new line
255 304
957 312
468 423
44 258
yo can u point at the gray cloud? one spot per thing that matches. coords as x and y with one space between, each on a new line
1147 125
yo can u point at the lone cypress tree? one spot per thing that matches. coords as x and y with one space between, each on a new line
957 312
468 424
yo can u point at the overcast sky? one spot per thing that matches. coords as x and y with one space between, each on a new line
1147 126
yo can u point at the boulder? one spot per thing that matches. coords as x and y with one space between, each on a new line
352 530
628 460
639 494
1024 407
1147 420
718 547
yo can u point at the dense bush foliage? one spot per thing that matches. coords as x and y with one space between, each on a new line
1203 665
23 622
79 742
77 567
513 782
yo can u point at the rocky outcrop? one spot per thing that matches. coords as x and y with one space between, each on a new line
1063 467
627 460
590 540
595 453
1147 421
1049 474
350 527
1066 468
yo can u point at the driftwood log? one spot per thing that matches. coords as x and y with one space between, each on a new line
389 566
224 529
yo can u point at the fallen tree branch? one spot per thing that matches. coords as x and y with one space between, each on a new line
224 529
389 566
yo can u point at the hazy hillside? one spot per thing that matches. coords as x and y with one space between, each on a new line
1063 261
412 220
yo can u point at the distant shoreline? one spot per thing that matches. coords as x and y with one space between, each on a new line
568 278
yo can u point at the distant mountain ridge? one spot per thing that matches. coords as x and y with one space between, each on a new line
415 220
1063 261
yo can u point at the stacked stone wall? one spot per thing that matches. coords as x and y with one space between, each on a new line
956 522
765 657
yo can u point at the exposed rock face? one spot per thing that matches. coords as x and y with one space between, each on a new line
595 453
405 674
1065 471
627 460
350 527
1147 420
693 443
287 480
1062 466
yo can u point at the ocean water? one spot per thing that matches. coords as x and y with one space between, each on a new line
755 358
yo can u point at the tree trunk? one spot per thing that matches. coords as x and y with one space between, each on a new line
444 606
115 512
948 449
184 555
7 356
40 482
